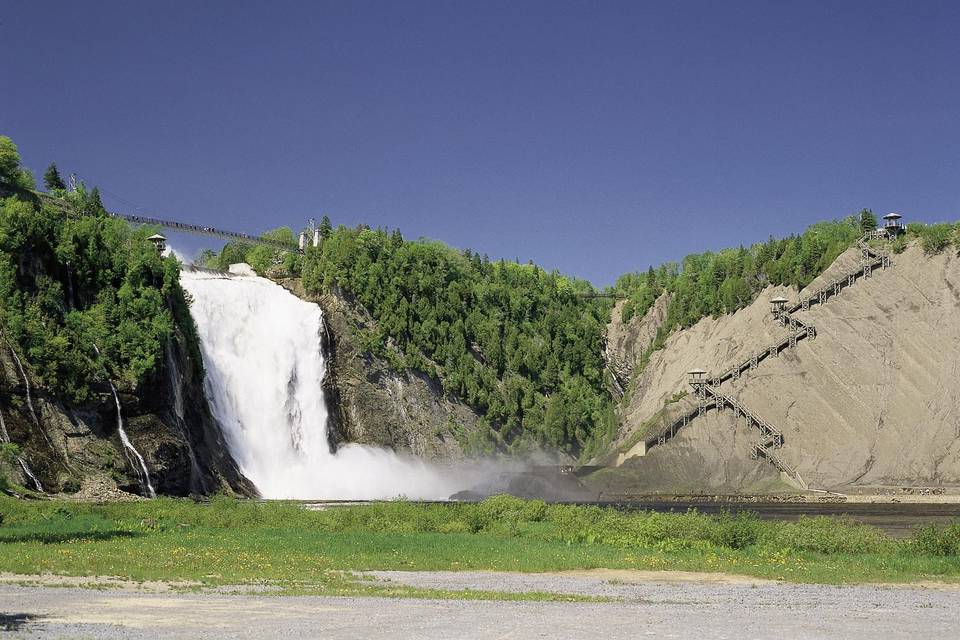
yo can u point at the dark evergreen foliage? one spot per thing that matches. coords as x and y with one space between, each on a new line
52 180
71 280
514 341
710 283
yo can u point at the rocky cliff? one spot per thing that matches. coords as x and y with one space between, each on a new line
70 448
873 401
626 342
371 402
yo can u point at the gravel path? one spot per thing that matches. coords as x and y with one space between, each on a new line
683 607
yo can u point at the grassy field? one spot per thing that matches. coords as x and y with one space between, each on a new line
230 542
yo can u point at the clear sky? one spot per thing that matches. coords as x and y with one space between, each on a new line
592 137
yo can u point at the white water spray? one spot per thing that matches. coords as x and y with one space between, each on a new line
136 460
5 437
26 383
133 456
265 368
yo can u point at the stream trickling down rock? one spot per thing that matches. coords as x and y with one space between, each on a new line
262 351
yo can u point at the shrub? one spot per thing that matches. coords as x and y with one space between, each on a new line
826 535
455 526
935 238
736 532
899 245
934 540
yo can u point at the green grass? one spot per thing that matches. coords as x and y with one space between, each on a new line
229 542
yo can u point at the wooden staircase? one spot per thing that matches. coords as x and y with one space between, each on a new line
707 389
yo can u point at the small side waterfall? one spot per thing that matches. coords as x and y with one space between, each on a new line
265 367
26 382
136 460
27 471
133 456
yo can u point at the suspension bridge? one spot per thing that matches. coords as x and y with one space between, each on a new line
193 229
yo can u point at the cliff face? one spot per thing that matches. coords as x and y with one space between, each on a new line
78 447
872 401
626 341
372 403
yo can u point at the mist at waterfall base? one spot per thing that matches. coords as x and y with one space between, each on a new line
262 350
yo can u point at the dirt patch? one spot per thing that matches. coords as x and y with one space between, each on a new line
96 582
636 576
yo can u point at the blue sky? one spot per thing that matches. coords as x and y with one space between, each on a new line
592 137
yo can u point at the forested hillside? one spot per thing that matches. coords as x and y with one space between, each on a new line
524 346
72 277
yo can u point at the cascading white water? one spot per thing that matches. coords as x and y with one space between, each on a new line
26 383
139 465
262 350
133 456
136 460
27 471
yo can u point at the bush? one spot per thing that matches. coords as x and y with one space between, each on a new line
899 245
935 238
934 540
826 535
736 532
455 526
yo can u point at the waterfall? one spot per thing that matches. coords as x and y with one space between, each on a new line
26 382
196 479
265 367
5 437
133 456
136 460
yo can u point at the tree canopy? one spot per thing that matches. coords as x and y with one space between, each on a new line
514 341
71 278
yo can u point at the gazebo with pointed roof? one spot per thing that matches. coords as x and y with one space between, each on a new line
159 242
892 224
777 304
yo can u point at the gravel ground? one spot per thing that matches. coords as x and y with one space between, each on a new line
682 607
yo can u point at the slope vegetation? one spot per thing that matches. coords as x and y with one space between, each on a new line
873 401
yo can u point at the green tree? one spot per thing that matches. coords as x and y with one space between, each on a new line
70 282
52 180
325 227
13 177
95 204
868 221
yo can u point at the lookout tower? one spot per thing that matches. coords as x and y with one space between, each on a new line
892 224
159 242
778 307
696 377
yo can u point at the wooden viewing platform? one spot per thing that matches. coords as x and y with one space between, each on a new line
706 388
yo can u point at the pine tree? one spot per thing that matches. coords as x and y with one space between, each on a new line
52 179
868 221
325 227
95 203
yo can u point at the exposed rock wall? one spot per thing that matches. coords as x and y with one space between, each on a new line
626 342
168 421
372 403
873 401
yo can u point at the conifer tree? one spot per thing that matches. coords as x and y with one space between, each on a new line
52 179
325 227
96 204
